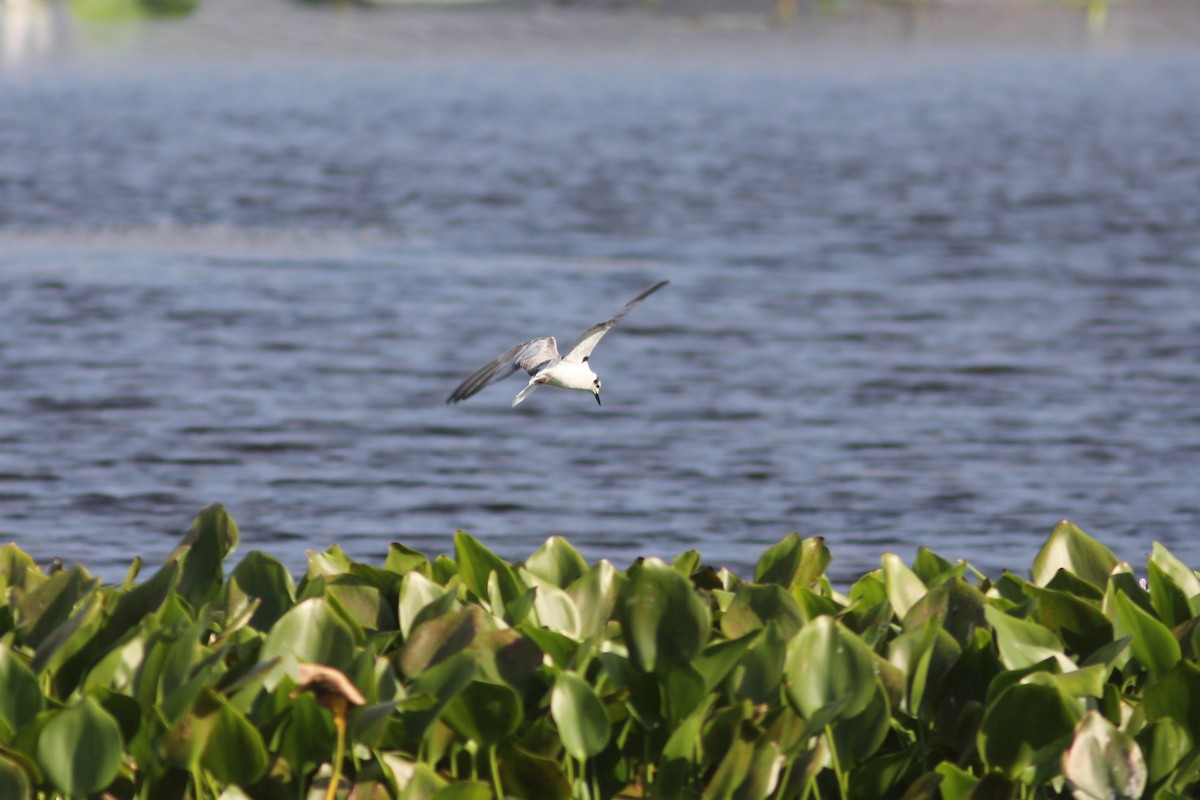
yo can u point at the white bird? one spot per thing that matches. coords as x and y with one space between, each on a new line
539 357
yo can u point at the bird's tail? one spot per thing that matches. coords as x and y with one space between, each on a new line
528 390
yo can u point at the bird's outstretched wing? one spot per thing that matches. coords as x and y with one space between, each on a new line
586 343
530 356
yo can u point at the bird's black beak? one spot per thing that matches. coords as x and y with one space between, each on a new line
597 398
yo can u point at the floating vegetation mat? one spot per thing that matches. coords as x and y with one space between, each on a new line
473 678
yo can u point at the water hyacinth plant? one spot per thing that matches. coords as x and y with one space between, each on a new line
473 677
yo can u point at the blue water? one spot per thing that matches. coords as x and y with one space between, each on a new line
917 299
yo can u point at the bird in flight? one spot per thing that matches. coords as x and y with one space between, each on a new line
539 357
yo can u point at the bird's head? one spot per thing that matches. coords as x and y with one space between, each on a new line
596 389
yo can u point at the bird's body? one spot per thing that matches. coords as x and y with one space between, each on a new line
539 357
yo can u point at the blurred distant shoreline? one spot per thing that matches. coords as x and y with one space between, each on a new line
57 31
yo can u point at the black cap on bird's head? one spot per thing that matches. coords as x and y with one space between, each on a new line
596 391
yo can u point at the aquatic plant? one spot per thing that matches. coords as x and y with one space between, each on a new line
473 677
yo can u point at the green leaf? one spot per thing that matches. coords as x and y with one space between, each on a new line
763 775
683 750
263 578
1071 549
719 658
525 774
17 569
1080 684
1104 763
958 605
904 588
555 609
683 690
41 611
859 736
476 563
212 537
1176 696
582 721
484 712
441 638
595 597
364 602
311 632
403 560
20 695
778 565
924 656
956 782
932 569
756 605
665 622
756 677
61 654
1164 742
828 665
793 561
1174 588
80 749
1080 625
1152 645
14 781
305 737
441 682
464 790
1023 644
418 593
216 737
731 771
1027 726
556 562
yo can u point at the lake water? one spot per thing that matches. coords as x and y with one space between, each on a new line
918 297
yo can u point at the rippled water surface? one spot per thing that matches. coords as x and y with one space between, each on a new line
917 299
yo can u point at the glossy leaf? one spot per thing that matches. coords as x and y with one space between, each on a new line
665 622
1164 744
41 611
1104 763
402 560
219 739
15 783
924 656
441 638
904 588
484 712
580 716
212 537
793 561
1023 643
1068 548
262 578
957 605
1174 588
311 632
80 749
418 593
20 695
1176 695
476 563
595 597
754 606
556 610
1152 645
556 562
1027 726
829 666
